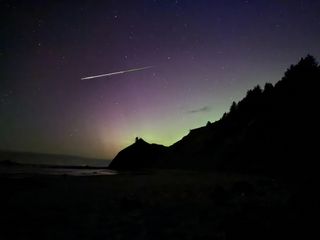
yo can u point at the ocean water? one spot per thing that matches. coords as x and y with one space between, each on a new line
25 170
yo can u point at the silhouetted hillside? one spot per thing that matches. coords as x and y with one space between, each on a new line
139 155
271 130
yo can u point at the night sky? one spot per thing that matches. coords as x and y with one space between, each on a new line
204 55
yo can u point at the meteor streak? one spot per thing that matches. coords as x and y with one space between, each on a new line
116 73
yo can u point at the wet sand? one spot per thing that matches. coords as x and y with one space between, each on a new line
151 205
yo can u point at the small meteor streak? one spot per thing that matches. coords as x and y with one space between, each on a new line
116 73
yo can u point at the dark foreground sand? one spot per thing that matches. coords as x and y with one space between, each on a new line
155 205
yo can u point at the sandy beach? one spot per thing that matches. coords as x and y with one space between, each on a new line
148 205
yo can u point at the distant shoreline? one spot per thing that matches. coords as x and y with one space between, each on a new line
50 160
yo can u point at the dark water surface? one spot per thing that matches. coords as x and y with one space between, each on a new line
25 170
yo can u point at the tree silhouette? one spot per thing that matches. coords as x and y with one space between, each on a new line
233 107
268 87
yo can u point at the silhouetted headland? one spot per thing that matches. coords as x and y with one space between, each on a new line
270 131
138 156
